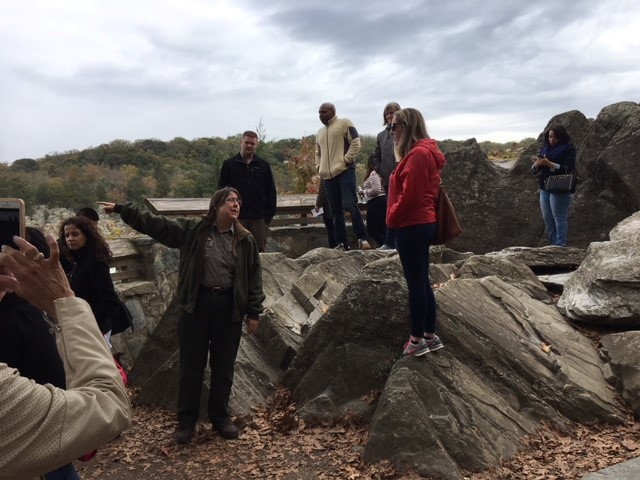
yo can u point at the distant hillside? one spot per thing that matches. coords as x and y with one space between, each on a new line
129 171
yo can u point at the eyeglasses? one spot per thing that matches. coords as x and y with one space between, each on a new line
393 126
233 200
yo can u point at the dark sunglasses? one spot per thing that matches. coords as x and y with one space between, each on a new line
393 126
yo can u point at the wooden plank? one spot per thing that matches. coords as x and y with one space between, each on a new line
125 263
178 206
287 205
288 222
123 248
125 275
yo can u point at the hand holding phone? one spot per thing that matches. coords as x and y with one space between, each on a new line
12 222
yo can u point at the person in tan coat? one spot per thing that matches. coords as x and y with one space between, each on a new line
43 427
337 146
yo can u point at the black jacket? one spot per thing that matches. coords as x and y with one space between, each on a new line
189 235
28 342
90 280
255 183
567 162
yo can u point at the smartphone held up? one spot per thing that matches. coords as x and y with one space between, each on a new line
12 220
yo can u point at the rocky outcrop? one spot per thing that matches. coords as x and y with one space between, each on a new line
499 208
335 322
508 270
298 291
334 327
622 350
511 362
605 290
549 259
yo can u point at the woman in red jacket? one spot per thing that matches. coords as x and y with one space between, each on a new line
413 194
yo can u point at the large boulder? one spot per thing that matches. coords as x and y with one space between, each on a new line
499 208
604 290
509 270
546 259
608 158
333 332
349 351
622 351
298 291
511 362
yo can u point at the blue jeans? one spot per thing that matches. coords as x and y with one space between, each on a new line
66 472
341 193
413 248
555 213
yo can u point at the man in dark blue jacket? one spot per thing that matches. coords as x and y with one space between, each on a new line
252 177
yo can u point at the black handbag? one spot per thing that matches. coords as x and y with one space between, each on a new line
123 320
566 183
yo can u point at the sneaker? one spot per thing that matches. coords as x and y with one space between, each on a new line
184 434
343 247
416 349
386 248
227 430
364 245
434 343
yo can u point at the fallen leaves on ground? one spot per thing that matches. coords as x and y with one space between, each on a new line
551 454
276 444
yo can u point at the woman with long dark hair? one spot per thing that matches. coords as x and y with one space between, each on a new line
413 193
557 157
87 257
219 286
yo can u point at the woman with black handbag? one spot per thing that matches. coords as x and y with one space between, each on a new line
557 157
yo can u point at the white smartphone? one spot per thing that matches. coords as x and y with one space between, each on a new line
11 220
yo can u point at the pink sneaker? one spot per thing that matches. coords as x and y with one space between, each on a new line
416 349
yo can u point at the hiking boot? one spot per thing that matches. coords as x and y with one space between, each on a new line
227 430
364 245
434 343
416 349
386 248
184 434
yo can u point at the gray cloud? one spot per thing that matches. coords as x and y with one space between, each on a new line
85 73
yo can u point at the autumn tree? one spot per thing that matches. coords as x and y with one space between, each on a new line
301 166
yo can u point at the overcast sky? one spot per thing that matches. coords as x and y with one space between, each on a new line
80 73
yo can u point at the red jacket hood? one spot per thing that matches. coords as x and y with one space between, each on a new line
432 146
414 186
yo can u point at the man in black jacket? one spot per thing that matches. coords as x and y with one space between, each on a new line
252 177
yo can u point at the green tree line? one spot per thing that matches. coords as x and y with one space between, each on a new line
129 171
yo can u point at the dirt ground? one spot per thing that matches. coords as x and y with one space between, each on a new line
275 444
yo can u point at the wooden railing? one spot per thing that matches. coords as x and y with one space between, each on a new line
127 264
291 209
